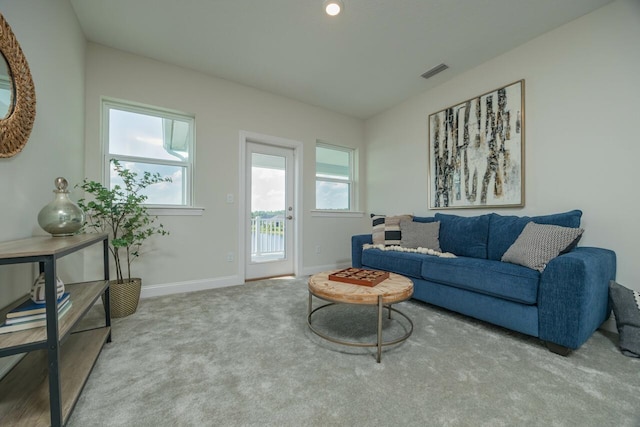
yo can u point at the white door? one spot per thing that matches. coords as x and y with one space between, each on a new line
270 215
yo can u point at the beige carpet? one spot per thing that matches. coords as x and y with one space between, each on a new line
244 356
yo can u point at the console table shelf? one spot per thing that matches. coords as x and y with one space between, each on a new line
82 296
44 386
24 392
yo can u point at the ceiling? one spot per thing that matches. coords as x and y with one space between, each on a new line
360 63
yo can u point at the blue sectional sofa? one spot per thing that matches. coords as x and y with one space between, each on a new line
563 305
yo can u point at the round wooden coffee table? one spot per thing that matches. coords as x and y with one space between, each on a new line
393 290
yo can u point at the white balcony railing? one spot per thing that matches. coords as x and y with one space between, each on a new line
267 237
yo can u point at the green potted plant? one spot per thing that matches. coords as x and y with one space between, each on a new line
121 213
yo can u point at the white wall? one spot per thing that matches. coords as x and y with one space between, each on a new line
54 46
582 137
195 253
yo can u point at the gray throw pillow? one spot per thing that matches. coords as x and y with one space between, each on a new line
420 235
626 307
540 243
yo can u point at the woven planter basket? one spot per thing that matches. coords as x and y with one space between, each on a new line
124 297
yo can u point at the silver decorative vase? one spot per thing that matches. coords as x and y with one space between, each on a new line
61 217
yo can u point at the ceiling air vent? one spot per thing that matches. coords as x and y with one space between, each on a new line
435 70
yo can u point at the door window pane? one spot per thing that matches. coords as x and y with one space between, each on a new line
268 203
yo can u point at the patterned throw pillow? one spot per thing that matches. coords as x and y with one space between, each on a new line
420 235
377 234
540 243
386 229
392 233
626 307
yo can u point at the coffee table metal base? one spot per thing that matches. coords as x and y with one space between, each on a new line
379 342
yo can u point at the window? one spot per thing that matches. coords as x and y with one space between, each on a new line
146 139
334 178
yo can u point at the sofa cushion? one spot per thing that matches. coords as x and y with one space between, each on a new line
464 236
495 278
504 230
405 263
540 243
419 235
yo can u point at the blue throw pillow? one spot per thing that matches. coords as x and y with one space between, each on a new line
504 230
424 219
464 236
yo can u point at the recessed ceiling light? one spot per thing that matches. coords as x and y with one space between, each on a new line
333 7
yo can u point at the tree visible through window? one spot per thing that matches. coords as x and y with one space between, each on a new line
150 140
334 177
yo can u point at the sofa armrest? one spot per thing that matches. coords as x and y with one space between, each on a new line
356 248
573 297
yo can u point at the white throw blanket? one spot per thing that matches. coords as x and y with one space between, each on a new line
425 251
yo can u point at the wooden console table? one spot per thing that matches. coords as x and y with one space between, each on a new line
43 387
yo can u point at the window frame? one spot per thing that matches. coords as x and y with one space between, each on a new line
352 152
187 185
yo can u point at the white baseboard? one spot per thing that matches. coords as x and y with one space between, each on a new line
219 282
189 286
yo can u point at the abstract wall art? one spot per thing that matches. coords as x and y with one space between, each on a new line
476 151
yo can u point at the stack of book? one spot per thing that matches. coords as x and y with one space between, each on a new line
30 315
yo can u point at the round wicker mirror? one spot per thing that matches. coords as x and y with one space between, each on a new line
15 127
